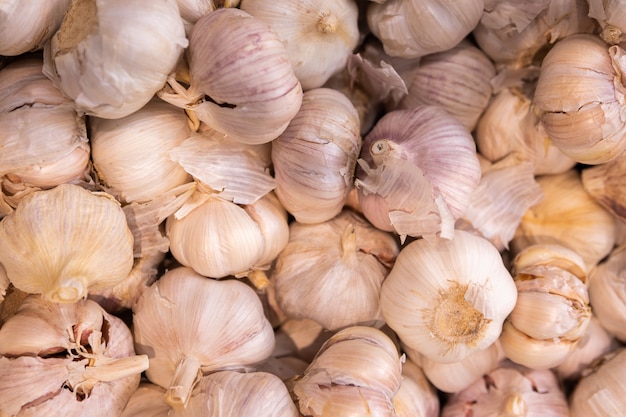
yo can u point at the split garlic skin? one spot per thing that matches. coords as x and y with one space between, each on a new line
447 298
64 241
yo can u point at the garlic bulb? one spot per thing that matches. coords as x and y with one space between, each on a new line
26 27
606 292
92 62
552 312
604 182
587 124
416 396
192 10
518 34
65 241
130 154
315 157
447 298
241 81
346 261
44 142
193 326
600 391
611 16
417 172
319 35
457 79
510 391
148 401
72 357
356 372
569 216
413 28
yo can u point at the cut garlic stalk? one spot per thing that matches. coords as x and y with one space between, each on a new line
65 241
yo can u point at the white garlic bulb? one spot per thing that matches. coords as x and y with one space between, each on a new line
415 28
587 124
446 298
193 326
417 172
604 182
319 35
55 243
611 16
315 157
416 396
92 62
192 10
340 264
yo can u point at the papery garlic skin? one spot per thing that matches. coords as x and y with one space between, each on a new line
315 157
604 182
83 57
411 29
416 396
64 241
611 17
589 123
447 298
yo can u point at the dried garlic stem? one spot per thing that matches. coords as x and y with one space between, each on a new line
185 377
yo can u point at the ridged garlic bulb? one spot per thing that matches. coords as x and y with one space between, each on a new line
417 172
192 326
588 124
416 396
315 157
414 28
339 264
64 241
92 62
611 16
319 35
447 298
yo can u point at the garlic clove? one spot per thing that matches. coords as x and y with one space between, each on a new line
147 401
416 396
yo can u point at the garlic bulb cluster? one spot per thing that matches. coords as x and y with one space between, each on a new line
415 28
611 17
345 264
26 27
73 357
510 390
53 244
43 140
241 81
192 326
552 312
84 60
319 35
589 123
447 298
337 384
315 157
417 172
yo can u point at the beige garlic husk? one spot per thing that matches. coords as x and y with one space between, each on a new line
416 396
130 154
600 391
43 140
596 343
84 61
218 238
221 394
417 172
512 391
456 376
611 16
413 28
509 124
552 312
25 27
507 189
193 326
517 35
65 241
457 79
241 81
315 157
569 216
604 182
588 123
447 298
357 371
606 292
346 261
319 35
73 357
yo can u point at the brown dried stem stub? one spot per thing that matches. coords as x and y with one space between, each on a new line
80 20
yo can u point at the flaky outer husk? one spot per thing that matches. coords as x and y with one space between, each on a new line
611 16
604 182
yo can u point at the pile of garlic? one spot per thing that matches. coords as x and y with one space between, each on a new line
312 208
